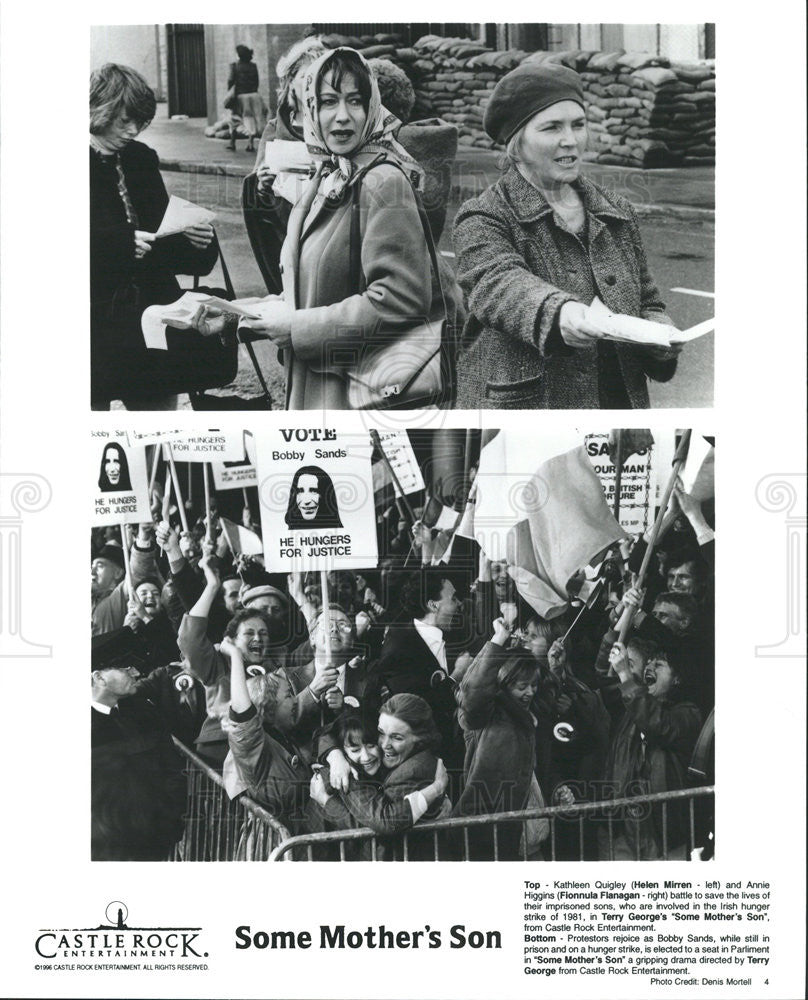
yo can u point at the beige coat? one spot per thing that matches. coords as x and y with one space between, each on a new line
330 325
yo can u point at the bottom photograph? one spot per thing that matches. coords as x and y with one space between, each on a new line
402 645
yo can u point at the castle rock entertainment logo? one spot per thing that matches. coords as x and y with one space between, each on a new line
117 944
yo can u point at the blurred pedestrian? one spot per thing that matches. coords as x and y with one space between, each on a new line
249 107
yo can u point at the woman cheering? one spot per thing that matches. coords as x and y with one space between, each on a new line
535 249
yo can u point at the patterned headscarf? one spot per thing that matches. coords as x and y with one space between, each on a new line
378 135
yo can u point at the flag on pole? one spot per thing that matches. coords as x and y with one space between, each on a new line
437 515
241 540
398 450
698 474
548 518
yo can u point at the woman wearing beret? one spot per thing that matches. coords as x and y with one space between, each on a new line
535 249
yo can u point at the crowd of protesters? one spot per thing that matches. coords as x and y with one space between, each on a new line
409 692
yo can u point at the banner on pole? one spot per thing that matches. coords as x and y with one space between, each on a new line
120 481
396 446
637 485
315 489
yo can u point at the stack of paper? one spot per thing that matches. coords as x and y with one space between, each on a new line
184 314
180 214
633 330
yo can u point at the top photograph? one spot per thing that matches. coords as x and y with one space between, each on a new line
402 216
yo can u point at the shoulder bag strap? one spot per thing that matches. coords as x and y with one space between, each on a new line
355 258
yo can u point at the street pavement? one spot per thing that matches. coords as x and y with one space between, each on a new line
182 145
676 219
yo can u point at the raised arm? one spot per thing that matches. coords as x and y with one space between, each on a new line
479 687
204 660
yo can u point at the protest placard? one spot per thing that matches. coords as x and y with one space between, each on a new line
121 482
233 475
195 446
396 446
316 494
637 483
205 446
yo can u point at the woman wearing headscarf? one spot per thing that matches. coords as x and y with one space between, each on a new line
321 322
535 249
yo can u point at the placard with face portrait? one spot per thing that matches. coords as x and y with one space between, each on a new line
315 488
121 482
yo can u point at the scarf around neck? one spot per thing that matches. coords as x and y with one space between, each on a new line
378 134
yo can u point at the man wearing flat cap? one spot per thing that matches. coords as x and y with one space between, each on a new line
138 786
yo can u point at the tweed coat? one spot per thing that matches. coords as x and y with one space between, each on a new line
331 321
519 264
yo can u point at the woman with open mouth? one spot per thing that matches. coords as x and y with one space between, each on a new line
535 249
392 785
352 278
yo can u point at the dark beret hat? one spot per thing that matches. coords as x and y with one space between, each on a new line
525 91
119 648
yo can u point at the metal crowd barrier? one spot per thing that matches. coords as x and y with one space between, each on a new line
218 828
452 839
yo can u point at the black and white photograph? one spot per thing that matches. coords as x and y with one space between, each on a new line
471 216
510 675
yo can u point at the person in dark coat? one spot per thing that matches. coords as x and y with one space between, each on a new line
129 268
499 729
656 727
138 789
572 738
249 108
413 657
535 249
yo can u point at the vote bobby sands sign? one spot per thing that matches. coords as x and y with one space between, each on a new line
316 491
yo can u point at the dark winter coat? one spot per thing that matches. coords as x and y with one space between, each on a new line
649 752
121 286
138 785
381 807
500 751
518 265
406 666
244 77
